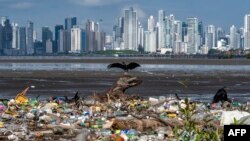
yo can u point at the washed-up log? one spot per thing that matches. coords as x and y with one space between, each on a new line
125 82
139 125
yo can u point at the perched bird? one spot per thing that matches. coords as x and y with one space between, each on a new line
221 95
124 66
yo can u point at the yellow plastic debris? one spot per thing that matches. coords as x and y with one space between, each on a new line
172 115
21 97
1 125
13 113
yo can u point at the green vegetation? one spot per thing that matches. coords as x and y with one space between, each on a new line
112 52
193 130
248 56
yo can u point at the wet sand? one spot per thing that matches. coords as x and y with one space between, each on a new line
141 60
58 83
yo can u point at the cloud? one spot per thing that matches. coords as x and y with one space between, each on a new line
21 5
92 3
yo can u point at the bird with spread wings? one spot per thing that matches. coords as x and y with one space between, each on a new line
124 66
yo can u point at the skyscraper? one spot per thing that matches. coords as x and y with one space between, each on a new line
234 38
22 39
91 28
3 19
70 22
178 31
57 29
7 34
62 43
46 35
15 30
210 38
140 37
161 29
1 39
49 46
151 24
247 32
95 39
192 35
150 36
76 40
201 33
130 30
29 38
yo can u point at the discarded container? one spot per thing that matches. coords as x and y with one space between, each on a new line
171 115
21 98
1 124
228 117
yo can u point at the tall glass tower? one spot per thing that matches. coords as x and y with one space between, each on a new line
161 29
130 30
247 32
192 35
29 38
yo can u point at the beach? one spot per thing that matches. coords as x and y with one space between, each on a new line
198 85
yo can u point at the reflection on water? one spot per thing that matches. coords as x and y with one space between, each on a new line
103 67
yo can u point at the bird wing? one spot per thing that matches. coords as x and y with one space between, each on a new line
117 65
133 65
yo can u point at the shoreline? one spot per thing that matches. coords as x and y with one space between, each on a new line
141 60
59 83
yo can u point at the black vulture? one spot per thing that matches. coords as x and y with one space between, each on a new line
221 95
124 66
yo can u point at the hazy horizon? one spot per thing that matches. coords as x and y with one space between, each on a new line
222 13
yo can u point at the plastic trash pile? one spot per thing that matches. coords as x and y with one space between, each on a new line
80 119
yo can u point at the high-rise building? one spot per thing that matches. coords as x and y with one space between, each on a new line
46 35
22 39
15 29
34 36
7 35
192 35
210 37
184 31
140 37
150 41
62 45
29 38
121 24
57 33
130 30
161 29
91 28
3 19
95 39
1 39
49 46
220 33
201 33
247 32
150 36
178 31
151 24
76 40
234 38
70 22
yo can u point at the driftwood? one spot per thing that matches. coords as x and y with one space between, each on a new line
125 82
139 125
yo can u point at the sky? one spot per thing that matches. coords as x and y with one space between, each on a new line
221 13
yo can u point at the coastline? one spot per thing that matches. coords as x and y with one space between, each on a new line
141 60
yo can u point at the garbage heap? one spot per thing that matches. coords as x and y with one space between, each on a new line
115 116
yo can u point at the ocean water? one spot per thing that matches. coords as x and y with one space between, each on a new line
103 67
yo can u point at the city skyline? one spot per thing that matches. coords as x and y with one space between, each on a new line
54 12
